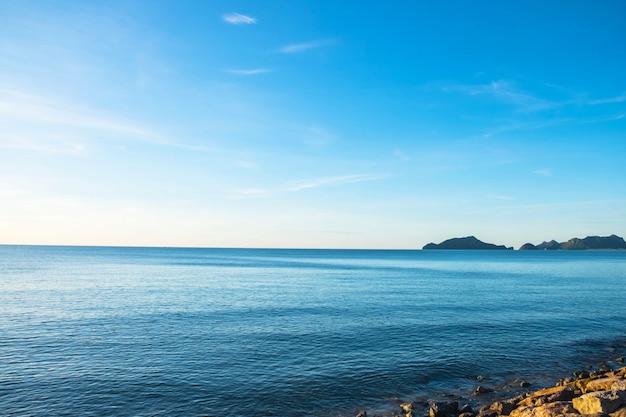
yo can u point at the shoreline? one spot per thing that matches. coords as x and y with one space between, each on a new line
598 391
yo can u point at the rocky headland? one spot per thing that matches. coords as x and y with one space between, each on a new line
590 242
469 242
599 393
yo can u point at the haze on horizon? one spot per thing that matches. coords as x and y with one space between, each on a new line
311 124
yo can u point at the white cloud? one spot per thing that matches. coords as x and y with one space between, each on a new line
546 172
300 47
400 155
332 181
254 71
238 19
611 100
36 123
506 92
305 184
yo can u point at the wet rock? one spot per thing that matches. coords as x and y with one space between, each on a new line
559 408
604 367
466 409
620 359
581 374
473 415
524 384
481 390
440 409
406 407
598 402
362 414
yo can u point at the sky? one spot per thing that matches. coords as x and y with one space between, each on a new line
311 124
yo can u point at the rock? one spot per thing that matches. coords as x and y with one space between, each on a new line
602 384
440 409
362 414
472 415
406 407
487 413
620 359
559 408
481 390
558 393
466 409
581 374
598 402
619 413
503 407
619 385
524 384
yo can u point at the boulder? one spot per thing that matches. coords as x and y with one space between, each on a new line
598 402
503 407
406 407
440 409
559 408
619 413
602 384
558 393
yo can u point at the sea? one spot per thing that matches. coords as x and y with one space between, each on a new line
129 331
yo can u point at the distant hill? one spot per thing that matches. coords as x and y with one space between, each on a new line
590 242
469 242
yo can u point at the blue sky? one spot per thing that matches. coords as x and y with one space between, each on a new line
341 124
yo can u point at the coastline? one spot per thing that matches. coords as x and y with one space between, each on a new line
598 391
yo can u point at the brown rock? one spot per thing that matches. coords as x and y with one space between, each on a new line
619 413
558 393
503 407
598 402
602 384
619 385
406 407
621 371
560 409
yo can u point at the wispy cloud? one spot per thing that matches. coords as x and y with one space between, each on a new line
254 71
300 47
545 172
506 92
45 124
238 19
332 181
306 185
610 100
400 155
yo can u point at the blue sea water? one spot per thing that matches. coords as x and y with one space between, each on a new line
104 331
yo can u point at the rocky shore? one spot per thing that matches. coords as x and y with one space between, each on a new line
590 393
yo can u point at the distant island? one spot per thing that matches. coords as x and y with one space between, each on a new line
590 242
469 242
